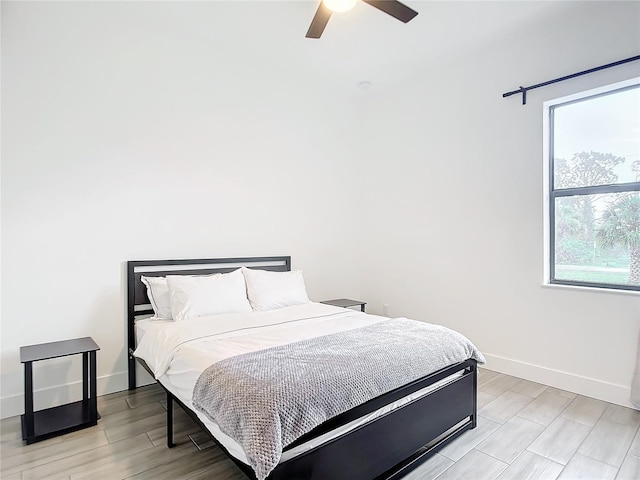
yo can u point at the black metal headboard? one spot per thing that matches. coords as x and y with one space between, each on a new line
138 302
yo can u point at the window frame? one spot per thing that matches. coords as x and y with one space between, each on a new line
551 194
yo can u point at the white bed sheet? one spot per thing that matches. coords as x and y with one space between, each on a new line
179 352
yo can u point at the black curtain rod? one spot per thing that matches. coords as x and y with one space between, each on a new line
524 90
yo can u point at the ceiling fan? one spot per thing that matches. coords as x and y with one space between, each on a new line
327 7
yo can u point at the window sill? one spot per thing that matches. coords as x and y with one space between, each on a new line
592 289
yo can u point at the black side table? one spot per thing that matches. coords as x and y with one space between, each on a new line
67 418
346 303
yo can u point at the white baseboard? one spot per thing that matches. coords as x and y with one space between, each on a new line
590 387
619 394
50 397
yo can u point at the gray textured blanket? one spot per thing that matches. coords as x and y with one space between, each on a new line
266 399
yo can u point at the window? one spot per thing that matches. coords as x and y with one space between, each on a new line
593 188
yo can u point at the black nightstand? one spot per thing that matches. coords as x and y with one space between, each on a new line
346 303
67 418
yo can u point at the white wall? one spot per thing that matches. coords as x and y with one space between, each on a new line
127 135
456 206
125 138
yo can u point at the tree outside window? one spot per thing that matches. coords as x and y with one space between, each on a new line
595 190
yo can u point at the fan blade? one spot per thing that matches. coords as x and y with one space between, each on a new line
320 20
394 8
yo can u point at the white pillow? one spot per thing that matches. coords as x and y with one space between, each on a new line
158 293
268 290
207 295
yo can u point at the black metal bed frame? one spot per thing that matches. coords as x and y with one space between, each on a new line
386 448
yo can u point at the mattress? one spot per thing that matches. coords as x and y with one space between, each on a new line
178 353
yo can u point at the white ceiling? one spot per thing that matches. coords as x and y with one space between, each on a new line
361 45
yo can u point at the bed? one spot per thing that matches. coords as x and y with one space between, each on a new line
383 436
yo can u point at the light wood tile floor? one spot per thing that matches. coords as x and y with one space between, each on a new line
525 431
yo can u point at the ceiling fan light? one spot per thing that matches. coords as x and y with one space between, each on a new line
339 5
